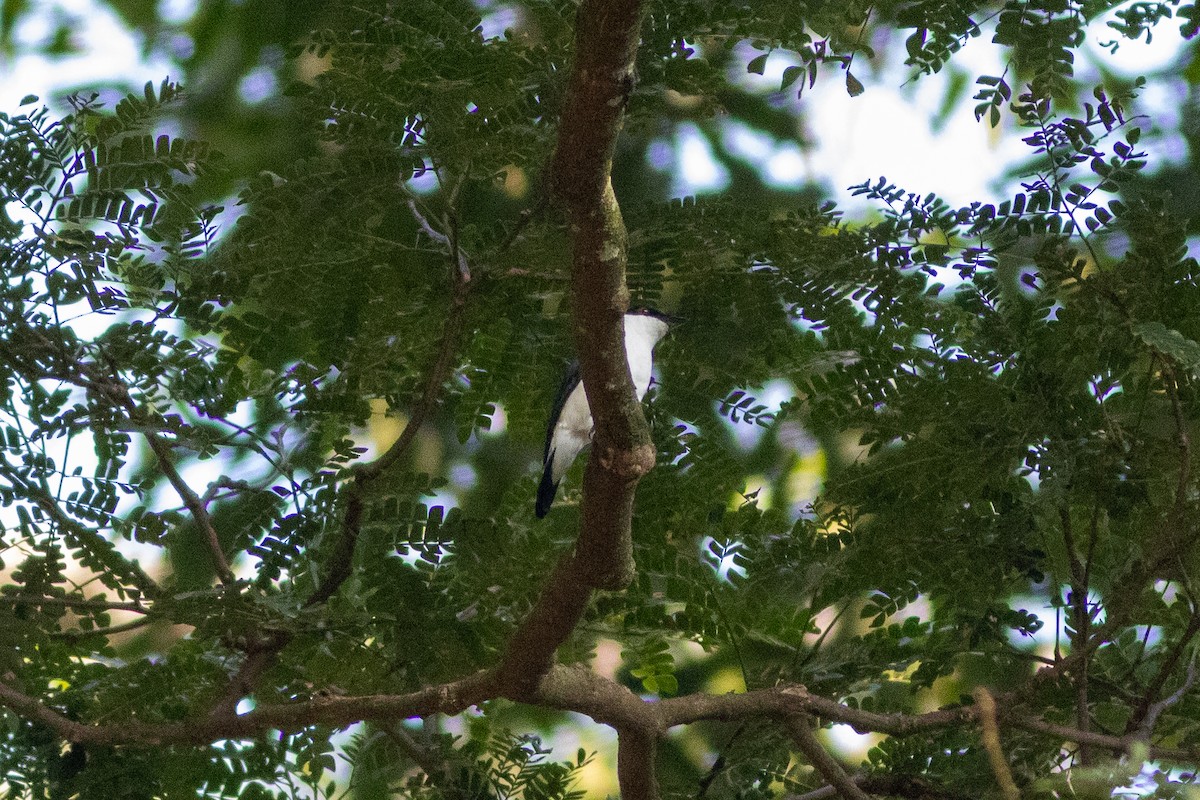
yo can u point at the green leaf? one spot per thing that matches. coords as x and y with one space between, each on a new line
1171 343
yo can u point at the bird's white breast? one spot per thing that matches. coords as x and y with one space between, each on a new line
573 430
642 333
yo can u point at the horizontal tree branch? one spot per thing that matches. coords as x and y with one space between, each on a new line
1114 744
567 688
449 698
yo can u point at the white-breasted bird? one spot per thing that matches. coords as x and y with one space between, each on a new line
570 428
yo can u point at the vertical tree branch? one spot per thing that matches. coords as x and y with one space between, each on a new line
636 772
606 39
1080 623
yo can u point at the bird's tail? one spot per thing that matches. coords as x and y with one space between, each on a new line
546 489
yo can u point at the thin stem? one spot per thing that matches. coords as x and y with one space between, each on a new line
162 452
437 769
1080 623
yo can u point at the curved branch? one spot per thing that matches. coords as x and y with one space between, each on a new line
602 79
558 610
1165 671
574 689
343 550
605 46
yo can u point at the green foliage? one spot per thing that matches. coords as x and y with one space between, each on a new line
984 459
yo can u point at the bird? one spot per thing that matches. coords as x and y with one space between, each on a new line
570 427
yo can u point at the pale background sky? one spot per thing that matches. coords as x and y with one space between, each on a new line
885 131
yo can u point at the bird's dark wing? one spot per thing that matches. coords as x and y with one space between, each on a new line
548 488
546 491
570 381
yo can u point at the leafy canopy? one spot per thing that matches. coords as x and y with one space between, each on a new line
216 544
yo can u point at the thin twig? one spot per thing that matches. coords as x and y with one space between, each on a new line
430 231
75 635
527 216
1155 711
1183 441
87 375
1142 709
162 453
718 763
78 534
1169 547
73 602
341 558
436 768
1080 624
